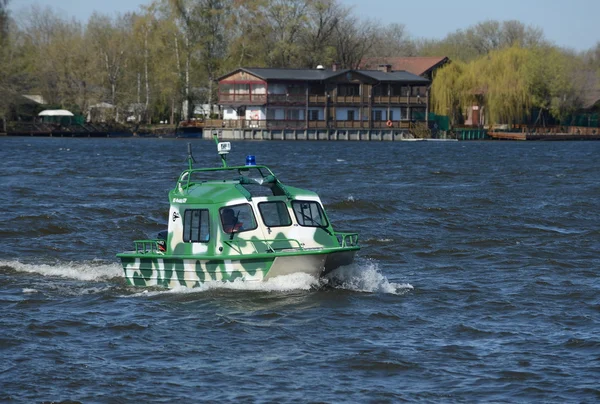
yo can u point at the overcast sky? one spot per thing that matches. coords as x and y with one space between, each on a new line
573 24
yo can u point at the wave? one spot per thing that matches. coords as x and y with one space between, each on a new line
350 203
84 271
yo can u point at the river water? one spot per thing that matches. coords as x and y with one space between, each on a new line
478 278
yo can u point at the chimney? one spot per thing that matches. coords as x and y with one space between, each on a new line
334 66
385 68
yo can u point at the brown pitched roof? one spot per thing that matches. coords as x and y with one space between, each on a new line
414 65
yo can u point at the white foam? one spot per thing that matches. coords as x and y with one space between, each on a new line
74 270
362 277
365 277
350 198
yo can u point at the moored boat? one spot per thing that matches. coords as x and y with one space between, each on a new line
238 222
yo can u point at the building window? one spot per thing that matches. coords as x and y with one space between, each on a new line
316 89
313 115
226 89
390 115
196 226
377 116
420 91
295 89
292 114
242 88
350 115
348 89
274 214
404 113
395 89
309 214
259 89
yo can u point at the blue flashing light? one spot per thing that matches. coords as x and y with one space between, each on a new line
250 160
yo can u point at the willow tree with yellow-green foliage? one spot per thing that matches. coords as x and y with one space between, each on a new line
507 83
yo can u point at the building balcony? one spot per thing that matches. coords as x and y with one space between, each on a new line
288 99
317 99
242 99
302 124
301 99
349 99
398 99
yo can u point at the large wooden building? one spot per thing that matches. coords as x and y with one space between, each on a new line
302 99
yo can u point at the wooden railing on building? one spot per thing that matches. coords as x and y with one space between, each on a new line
302 124
397 99
300 99
248 99
349 99
317 99
287 99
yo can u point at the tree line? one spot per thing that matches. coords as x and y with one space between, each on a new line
156 63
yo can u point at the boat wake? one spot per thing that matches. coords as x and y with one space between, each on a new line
83 271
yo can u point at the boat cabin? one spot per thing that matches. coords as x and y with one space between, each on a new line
246 211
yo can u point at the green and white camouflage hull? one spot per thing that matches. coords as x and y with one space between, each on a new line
173 272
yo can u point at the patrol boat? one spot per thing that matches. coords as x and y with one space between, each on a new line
237 222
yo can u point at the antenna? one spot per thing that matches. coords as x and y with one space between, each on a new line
190 158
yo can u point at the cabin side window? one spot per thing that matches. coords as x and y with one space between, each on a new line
309 213
274 214
237 218
196 226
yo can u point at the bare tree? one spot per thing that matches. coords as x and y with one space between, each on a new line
287 18
3 20
211 16
392 40
54 52
4 90
514 32
322 19
353 39
111 44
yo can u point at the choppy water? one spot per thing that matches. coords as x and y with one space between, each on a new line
478 279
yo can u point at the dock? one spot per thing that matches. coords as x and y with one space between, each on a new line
550 133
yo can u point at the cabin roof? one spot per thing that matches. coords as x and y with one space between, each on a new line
224 192
212 193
